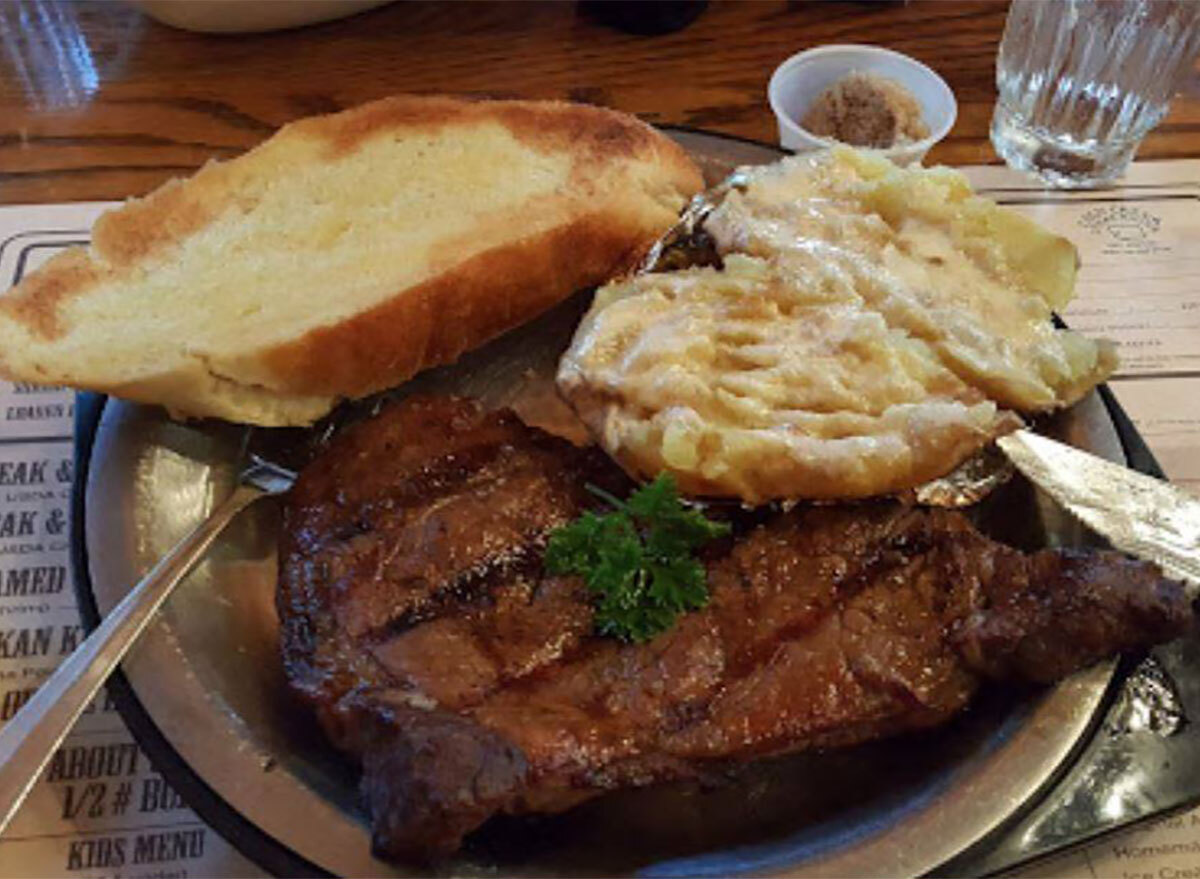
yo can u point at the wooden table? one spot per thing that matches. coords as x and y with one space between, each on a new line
97 101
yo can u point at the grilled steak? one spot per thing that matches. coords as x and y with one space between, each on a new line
418 622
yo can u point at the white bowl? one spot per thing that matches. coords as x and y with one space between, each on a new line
800 80
248 16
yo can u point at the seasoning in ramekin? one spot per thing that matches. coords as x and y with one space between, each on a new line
866 110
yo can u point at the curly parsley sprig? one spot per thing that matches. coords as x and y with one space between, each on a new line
637 560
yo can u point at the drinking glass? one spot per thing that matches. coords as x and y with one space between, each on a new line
1082 81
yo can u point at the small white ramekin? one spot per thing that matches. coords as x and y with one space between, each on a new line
799 80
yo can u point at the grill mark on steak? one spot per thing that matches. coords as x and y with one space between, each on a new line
474 585
469 683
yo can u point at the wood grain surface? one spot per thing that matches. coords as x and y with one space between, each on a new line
98 101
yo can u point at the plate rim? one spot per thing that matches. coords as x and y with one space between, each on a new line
277 857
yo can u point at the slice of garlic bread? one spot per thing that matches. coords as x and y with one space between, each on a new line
345 254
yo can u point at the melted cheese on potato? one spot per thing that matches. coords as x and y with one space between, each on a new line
871 327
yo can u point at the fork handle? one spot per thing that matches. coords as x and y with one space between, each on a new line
29 739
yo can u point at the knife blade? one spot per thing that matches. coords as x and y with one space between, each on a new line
1140 515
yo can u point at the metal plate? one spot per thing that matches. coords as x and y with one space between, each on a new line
208 679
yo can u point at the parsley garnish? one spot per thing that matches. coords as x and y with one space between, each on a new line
637 560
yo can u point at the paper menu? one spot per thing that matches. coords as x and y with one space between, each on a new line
1139 284
102 811
1164 848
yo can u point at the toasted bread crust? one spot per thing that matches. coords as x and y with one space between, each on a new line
36 300
624 187
594 135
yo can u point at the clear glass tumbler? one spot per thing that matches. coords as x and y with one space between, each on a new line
1082 81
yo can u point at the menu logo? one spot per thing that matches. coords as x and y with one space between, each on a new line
1123 222
1123 228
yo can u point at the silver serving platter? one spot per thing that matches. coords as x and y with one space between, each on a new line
208 677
